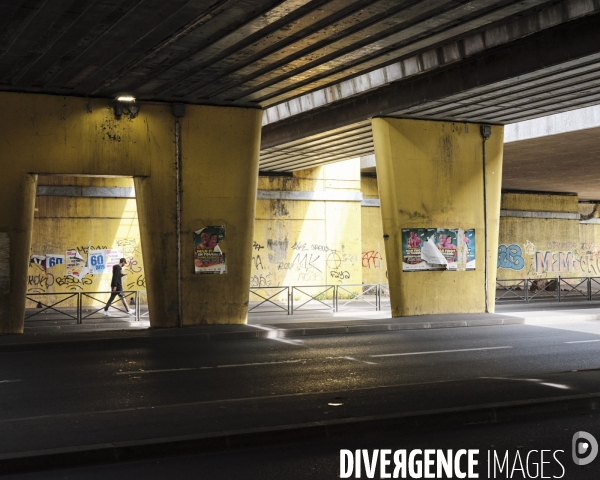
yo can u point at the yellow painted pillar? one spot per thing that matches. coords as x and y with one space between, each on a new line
16 221
430 175
218 149
219 176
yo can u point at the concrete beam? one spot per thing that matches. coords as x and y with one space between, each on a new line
500 65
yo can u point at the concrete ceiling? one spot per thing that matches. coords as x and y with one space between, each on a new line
226 52
569 162
498 76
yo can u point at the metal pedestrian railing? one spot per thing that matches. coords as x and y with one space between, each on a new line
116 304
315 297
365 289
63 309
55 307
558 289
269 298
301 296
80 306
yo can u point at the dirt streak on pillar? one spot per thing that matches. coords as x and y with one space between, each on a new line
430 175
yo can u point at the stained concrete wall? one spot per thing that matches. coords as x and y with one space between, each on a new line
302 242
539 246
374 265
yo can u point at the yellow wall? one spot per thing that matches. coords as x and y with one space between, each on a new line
546 247
374 266
299 242
430 176
69 223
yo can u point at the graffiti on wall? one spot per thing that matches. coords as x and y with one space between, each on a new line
301 262
53 275
510 257
554 258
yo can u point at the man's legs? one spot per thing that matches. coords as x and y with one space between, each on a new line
110 300
122 297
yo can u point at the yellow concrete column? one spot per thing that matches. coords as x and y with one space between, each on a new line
219 175
430 175
16 221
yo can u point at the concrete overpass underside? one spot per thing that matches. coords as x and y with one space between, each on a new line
319 80
550 71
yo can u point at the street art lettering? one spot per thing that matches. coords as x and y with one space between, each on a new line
583 259
299 246
340 275
73 283
306 262
311 276
257 246
128 245
260 280
300 262
132 266
85 249
371 259
39 282
256 260
510 257
140 282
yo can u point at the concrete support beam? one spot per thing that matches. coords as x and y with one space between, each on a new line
564 46
430 175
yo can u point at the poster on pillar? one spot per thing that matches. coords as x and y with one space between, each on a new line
75 264
97 262
112 258
437 249
208 256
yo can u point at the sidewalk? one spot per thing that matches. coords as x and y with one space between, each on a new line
360 319
259 326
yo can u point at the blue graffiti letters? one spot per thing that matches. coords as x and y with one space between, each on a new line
510 257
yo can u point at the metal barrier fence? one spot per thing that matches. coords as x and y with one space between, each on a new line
557 289
316 297
78 313
333 298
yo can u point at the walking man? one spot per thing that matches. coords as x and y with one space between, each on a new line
117 288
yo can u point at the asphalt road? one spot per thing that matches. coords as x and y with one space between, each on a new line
130 388
320 460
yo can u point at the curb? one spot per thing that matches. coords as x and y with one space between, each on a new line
268 331
263 437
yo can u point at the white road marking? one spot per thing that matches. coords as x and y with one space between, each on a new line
184 369
439 351
584 341
357 360
135 372
11 381
261 363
